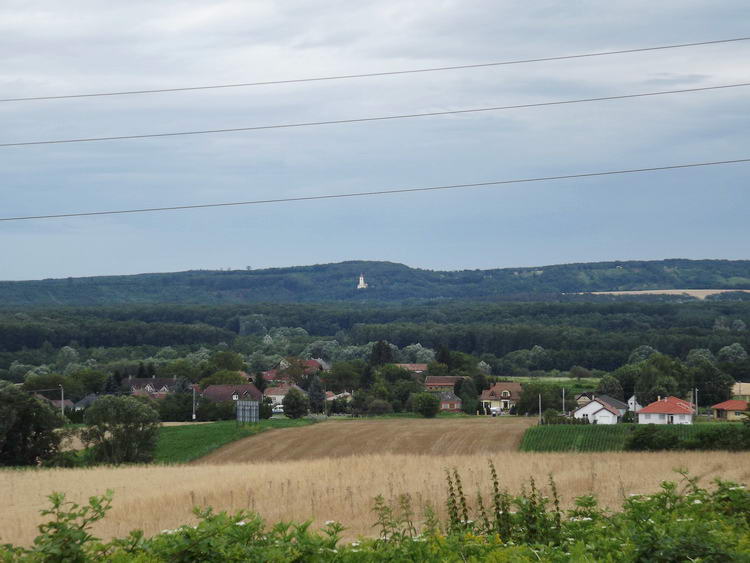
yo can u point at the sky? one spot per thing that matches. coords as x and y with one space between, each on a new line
55 48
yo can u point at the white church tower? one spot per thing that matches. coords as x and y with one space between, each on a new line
362 284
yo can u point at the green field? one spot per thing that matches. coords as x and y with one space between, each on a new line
590 437
180 444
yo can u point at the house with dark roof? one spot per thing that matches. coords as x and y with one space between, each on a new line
221 393
731 410
450 402
667 410
501 397
154 387
601 410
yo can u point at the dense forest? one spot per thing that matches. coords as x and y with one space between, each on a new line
388 282
535 336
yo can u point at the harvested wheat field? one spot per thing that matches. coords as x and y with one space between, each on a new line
155 498
699 293
438 436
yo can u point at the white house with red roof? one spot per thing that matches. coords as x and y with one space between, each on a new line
667 410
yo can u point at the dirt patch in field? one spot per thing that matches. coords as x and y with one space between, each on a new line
699 293
418 436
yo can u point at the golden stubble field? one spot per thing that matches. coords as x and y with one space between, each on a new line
154 498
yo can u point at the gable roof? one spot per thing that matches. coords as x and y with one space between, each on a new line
225 392
155 382
732 405
282 390
602 403
496 391
668 405
618 404
442 380
449 396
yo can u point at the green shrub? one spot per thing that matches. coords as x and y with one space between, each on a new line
426 404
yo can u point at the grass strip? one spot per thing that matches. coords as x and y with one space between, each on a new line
181 444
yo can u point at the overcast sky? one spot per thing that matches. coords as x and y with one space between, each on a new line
52 48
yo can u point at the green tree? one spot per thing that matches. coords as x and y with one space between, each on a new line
227 360
260 382
732 354
344 376
266 408
609 385
580 372
426 404
224 377
641 354
316 395
295 403
381 354
469 397
176 407
714 386
27 427
121 430
378 407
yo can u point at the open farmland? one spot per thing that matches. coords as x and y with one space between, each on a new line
154 498
595 438
333 470
341 438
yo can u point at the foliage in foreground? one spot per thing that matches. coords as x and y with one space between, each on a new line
681 522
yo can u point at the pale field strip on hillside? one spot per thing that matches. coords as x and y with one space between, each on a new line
699 293
335 475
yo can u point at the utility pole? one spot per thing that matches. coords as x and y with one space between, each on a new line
563 405
193 402
62 401
540 408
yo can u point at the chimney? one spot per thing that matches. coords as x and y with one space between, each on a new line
658 397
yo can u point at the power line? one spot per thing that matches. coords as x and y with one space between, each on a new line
375 74
368 119
381 192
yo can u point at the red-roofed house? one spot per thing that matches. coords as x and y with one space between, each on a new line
220 393
501 397
277 394
731 410
441 382
667 410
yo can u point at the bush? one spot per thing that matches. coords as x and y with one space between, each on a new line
379 406
295 403
426 404
27 427
121 430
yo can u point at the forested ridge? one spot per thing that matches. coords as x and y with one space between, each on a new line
387 281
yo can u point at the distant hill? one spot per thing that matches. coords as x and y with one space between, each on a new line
388 282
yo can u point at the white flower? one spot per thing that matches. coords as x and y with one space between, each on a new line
696 501
354 543
329 522
240 523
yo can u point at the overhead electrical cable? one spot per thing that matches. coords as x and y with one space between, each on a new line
379 192
375 74
368 119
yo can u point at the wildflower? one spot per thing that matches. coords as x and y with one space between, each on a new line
329 522
697 501
354 543
738 487
240 523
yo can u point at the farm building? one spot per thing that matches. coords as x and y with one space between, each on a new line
501 397
220 393
667 410
732 410
741 391
441 382
601 411
449 402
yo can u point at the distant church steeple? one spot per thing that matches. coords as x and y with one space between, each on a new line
362 284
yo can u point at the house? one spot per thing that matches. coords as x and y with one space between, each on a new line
67 403
86 402
633 404
331 396
441 382
277 394
732 410
450 402
741 391
154 387
501 397
601 411
413 368
584 398
667 410
221 393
